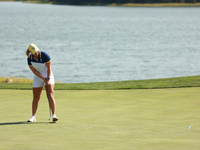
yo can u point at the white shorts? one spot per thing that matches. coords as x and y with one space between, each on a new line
38 82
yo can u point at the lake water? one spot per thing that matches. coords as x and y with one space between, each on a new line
95 44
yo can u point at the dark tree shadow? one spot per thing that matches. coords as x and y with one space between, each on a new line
24 122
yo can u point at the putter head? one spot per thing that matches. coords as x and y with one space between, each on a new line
49 118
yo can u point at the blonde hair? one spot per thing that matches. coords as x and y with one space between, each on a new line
27 52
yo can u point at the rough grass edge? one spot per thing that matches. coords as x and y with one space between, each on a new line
177 82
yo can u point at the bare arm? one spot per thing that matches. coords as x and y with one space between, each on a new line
48 69
48 64
36 73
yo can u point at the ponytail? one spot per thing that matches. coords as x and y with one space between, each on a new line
27 52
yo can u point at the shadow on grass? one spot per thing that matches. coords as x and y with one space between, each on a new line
24 122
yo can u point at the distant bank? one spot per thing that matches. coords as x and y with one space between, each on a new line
118 5
156 5
177 82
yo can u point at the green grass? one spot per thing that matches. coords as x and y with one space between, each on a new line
142 119
179 82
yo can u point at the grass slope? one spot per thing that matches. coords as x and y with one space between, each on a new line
192 81
150 119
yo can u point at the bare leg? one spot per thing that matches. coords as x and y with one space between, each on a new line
51 98
36 97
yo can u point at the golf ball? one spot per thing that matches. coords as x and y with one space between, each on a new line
189 127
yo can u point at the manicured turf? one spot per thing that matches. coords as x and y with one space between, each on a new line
148 119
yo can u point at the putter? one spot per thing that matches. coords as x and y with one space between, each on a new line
49 101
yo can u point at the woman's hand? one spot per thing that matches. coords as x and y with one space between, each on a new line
39 75
46 80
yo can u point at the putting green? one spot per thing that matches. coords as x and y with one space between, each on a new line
150 119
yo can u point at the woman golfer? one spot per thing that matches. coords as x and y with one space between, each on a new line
40 64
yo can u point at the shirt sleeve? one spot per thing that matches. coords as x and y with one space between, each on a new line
29 61
46 57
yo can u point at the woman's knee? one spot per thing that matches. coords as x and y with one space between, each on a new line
36 97
51 96
36 93
50 92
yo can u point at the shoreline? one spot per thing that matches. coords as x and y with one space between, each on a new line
116 5
176 82
156 5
